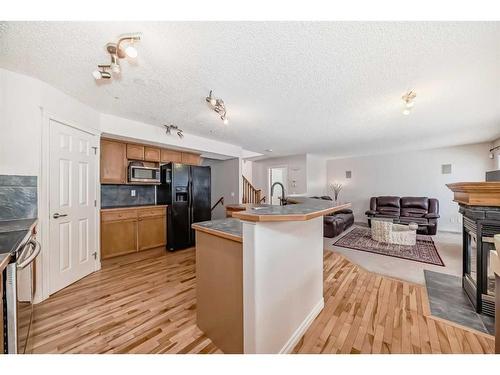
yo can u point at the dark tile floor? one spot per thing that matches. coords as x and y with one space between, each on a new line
448 300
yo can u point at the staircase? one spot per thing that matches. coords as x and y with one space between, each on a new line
251 194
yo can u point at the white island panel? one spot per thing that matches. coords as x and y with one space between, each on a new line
282 282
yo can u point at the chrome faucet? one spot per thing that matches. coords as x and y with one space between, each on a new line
282 199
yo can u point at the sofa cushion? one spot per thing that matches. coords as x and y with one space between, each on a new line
413 212
388 211
387 201
415 202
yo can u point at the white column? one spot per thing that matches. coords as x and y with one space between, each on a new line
282 282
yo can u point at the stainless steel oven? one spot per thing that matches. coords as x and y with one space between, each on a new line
19 294
139 173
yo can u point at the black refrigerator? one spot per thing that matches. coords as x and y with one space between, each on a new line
186 191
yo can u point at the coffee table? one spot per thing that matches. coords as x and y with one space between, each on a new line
389 232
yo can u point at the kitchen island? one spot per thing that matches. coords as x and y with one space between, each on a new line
260 275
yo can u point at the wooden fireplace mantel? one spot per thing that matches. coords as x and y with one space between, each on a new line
476 193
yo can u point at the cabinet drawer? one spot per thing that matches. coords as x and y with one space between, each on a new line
151 212
119 215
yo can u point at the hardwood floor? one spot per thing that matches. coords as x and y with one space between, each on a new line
146 303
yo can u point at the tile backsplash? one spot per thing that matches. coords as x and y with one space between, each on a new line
121 195
18 197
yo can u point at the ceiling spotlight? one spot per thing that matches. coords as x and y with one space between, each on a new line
116 52
101 73
131 51
218 106
175 128
409 99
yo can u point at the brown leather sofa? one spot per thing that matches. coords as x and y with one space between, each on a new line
421 210
336 223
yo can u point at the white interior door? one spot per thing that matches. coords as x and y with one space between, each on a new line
278 174
73 232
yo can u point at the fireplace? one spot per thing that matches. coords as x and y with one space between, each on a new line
479 204
480 224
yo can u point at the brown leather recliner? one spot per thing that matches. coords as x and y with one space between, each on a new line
420 210
336 223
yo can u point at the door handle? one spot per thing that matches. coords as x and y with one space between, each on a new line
57 215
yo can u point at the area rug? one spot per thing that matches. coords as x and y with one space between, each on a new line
360 239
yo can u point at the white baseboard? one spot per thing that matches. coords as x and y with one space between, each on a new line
302 328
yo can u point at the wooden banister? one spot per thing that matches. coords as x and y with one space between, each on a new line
251 194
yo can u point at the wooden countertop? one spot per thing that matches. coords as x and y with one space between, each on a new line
476 193
298 209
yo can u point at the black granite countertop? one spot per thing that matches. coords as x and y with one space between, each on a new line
15 225
230 226
130 206
298 208
12 235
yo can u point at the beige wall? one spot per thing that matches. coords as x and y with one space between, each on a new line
225 181
413 173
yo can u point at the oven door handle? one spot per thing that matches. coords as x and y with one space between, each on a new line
36 250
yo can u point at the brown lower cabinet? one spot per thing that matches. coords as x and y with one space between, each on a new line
129 230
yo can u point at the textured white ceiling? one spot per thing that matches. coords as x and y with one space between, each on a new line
321 87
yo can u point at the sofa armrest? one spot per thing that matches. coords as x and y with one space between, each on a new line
370 213
432 216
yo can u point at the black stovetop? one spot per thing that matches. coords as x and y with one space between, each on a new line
12 233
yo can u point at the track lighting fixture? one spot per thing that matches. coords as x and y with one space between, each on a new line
175 128
218 106
118 51
409 98
101 72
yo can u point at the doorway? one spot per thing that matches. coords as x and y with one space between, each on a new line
72 205
277 174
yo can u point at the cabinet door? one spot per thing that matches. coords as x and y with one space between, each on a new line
113 162
152 232
118 238
135 152
151 154
188 158
168 156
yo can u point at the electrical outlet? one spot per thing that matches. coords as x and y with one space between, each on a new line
232 194
132 193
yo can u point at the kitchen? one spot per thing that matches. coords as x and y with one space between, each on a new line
139 210
138 214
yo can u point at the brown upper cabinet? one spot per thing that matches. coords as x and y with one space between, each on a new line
168 156
115 156
135 152
113 162
151 154
188 158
